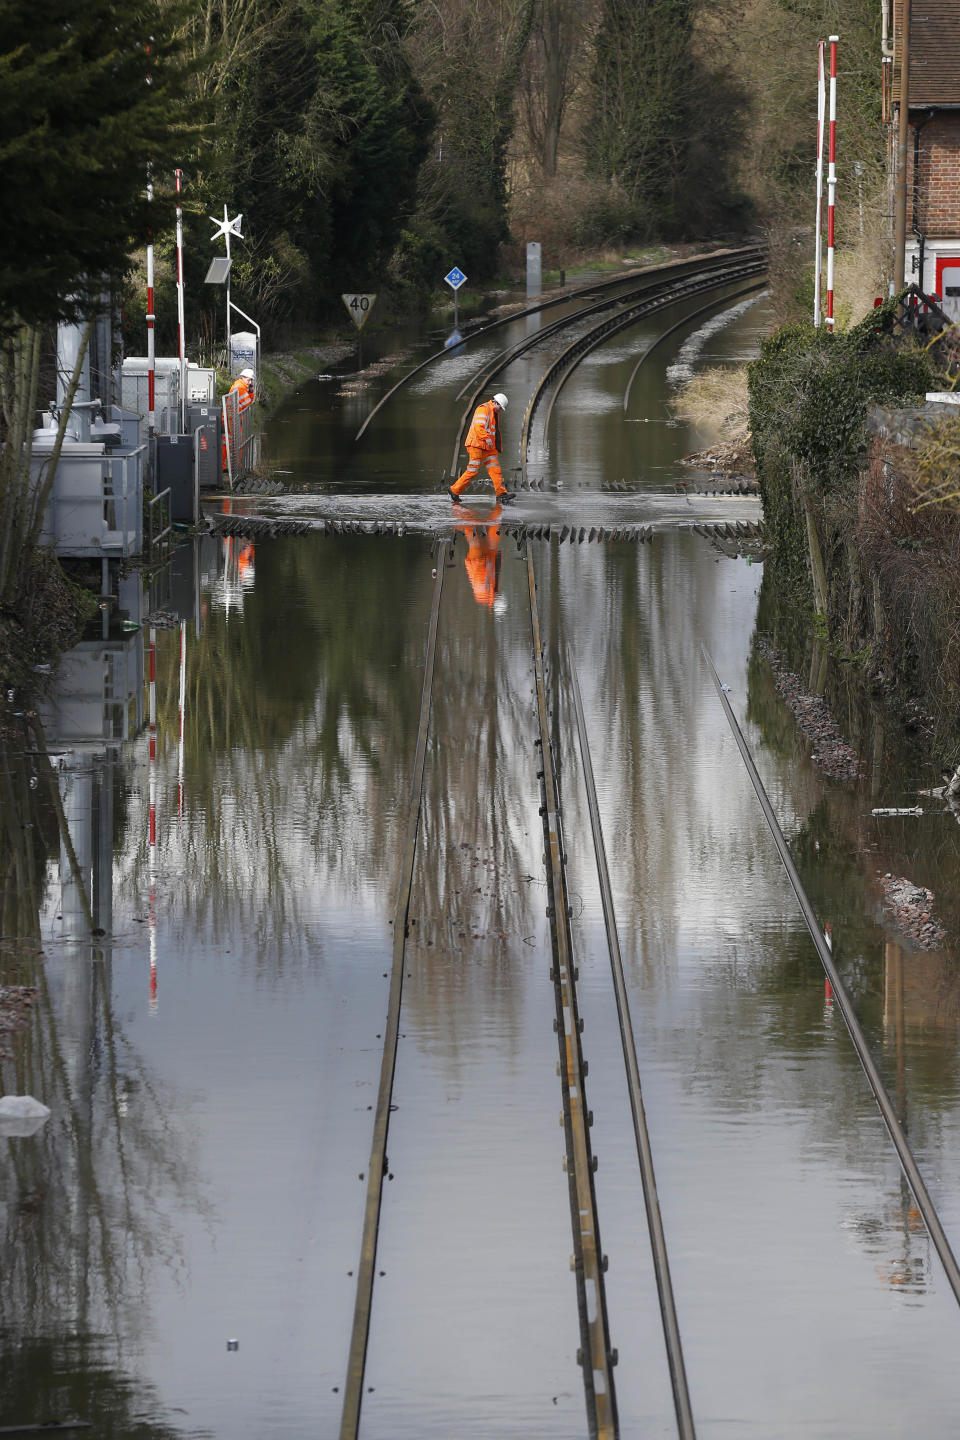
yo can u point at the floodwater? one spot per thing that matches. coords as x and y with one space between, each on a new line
179 1242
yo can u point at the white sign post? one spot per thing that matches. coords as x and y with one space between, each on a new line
358 308
455 278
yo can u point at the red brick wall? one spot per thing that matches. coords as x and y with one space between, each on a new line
938 210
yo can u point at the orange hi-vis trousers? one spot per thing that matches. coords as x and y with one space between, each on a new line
479 458
483 562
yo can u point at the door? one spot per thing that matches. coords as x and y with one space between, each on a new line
948 285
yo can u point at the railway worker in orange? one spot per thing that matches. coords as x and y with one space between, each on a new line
243 387
483 557
484 446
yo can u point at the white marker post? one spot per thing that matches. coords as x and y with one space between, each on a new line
818 248
831 178
358 308
151 316
181 313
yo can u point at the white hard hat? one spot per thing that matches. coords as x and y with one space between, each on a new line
500 400
247 375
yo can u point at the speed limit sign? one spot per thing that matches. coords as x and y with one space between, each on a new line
358 308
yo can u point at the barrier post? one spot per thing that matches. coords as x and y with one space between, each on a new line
831 179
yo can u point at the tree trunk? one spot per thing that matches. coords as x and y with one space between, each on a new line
817 572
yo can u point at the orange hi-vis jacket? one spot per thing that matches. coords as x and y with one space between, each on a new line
484 432
245 396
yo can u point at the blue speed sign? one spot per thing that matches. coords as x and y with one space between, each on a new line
455 278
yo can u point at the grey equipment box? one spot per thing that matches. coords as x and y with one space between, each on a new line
175 470
206 424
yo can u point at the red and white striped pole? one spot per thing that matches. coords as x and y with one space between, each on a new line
181 351
151 309
818 249
831 178
151 317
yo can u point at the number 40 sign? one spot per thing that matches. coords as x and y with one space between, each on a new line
358 308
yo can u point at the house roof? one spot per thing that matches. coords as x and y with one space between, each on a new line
934 52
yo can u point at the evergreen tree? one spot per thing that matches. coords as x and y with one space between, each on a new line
323 131
379 123
663 130
89 96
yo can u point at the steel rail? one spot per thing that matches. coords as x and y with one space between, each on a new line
494 325
653 281
565 364
596 1357
597 285
660 283
658 1243
894 1128
693 315
356 1364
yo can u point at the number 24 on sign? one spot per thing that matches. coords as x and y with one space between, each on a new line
358 308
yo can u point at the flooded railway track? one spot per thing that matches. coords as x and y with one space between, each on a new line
593 323
632 296
356 863
596 1355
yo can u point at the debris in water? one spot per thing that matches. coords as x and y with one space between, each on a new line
911 908
22 1115
830 753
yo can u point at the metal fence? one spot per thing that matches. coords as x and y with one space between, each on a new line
241 439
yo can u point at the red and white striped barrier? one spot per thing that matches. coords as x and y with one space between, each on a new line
818 229
181 343
831 179
151 319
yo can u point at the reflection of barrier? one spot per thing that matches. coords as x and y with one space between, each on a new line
241 438
159 525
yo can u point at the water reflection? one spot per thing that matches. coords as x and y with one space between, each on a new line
93 1202
483 559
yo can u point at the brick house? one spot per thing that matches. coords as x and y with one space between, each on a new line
932 250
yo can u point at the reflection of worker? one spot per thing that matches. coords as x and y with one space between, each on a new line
484 446
243 388
483 559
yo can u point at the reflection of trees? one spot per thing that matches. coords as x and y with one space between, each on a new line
88 1201
634 621
300 722
28 831
681 833
46 1380
908 1004
473 897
